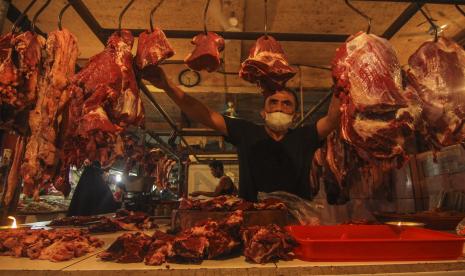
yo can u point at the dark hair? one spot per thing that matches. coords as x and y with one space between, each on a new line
215 164
290 91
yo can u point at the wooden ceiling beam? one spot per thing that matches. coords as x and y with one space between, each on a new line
189 34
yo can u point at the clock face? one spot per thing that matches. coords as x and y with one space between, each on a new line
189 78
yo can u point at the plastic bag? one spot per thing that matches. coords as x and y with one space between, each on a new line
305 212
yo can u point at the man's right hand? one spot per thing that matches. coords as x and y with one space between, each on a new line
156 76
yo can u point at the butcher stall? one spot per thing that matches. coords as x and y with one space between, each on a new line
105 169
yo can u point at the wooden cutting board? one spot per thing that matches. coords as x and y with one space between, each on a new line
183 219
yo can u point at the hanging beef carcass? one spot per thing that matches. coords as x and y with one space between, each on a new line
206 54
436 81
103 101
41 154
20 56
267 65
152 49
375 115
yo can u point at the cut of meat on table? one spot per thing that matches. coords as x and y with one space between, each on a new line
128 248
206 54
436 81
14 174
104 100
263 244
18 78
152 49
375 115
41 154
209 239
53 245
267 65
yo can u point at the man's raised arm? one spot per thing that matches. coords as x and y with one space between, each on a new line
194 109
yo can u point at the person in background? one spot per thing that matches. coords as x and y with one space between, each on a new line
225 185
92 195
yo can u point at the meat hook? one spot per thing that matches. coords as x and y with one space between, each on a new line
430 21
60 16
205 17
120 19
266 18
460 10
34 19
360 13
21 17
152 12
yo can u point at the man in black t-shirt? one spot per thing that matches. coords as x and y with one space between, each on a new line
271 157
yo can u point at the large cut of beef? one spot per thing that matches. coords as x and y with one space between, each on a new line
152 49
230 203
436 78
41 154
128 248
375 115
267 65
103 101
337 165
263 244
206 54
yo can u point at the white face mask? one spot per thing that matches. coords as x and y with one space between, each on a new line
278 121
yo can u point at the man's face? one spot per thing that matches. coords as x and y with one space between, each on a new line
215 172
281 101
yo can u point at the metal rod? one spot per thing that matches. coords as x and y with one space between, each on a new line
89 19
162 144
430 21
152 12
403 18
34 19
266 18
188 34
23 14
460 10
120 19
315 108
13 14
360 13
163 113
60 16
205 17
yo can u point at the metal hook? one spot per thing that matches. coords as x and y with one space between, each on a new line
152 12
460 10
266 18
430 21
21 17
60 16
34 19
360 13
122 14
205 17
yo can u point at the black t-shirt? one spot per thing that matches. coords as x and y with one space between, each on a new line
267 165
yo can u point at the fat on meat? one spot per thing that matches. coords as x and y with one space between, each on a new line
375 115
436 83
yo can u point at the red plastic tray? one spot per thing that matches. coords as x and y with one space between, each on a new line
374 243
